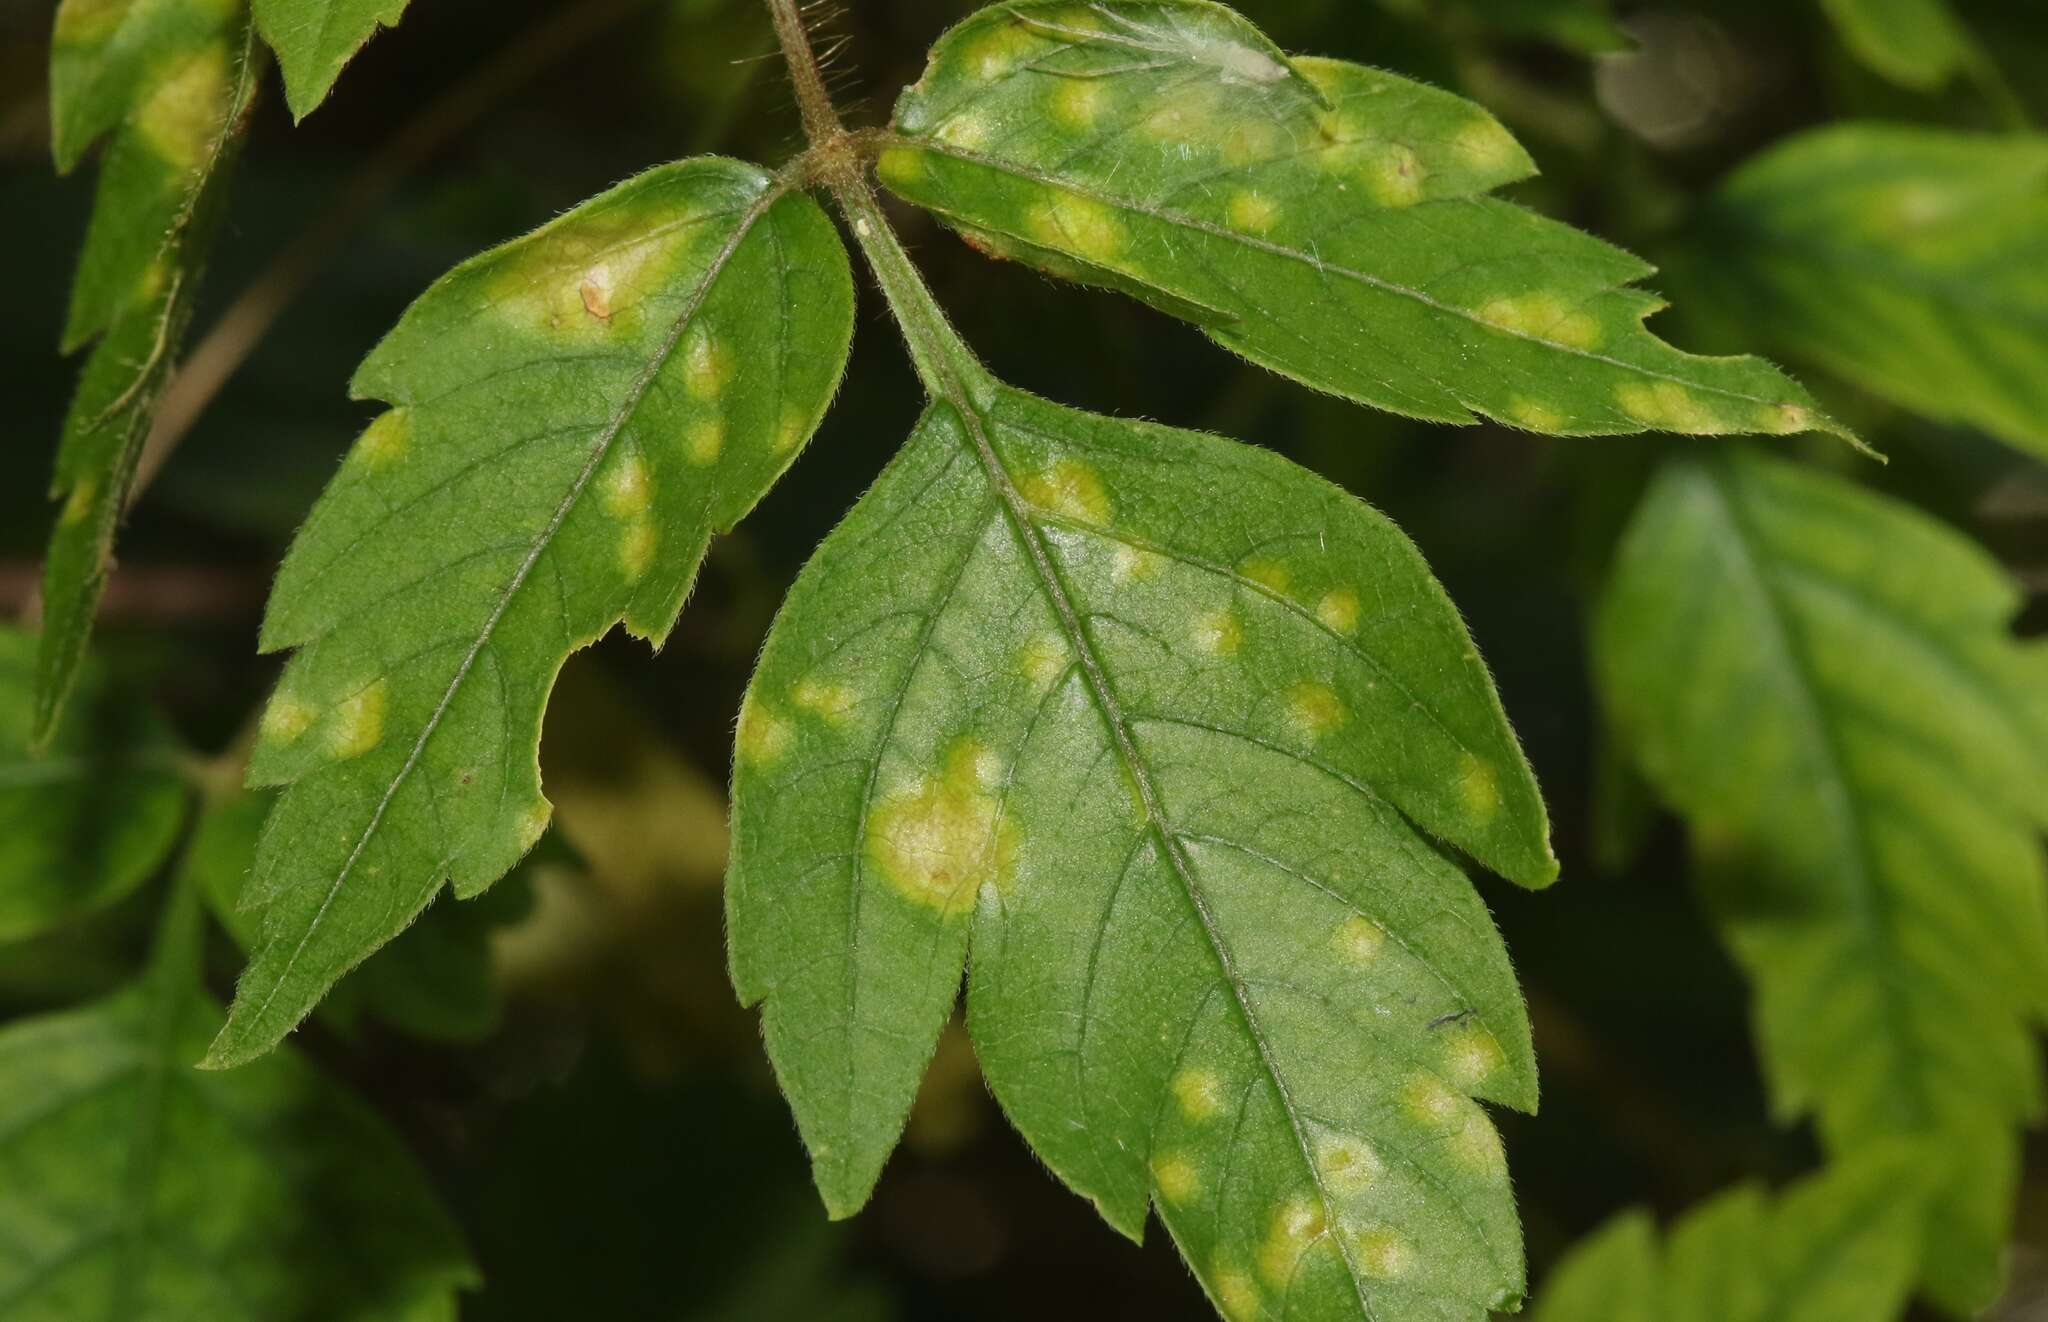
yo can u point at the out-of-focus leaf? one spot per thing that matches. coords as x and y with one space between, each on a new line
1324 219
133 1187
89 818
1823 683
1912 261
575 415
171 81
1915 43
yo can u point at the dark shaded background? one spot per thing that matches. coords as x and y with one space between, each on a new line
616 1149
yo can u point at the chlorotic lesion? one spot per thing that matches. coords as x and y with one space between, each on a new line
1218 632
625 488
1315 710
1348 1165
286 718
1237 1293
941 840
79 503
763 735
1548 317
1478 787
831 700
1069 488
1134 564
1069 222
357 723
1381 1252
704 441
638 541
586 275
1471 1054
1042 661
1338 610
1669 406
708 364
1268 573
1359 940
1252 212
183 115
385 441
1297 1225
1176 1177
1199 1093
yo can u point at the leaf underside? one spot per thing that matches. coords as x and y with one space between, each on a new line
315 38
171 84
574 415
1823 683
135 1189
1320 218
1912 261
1161 727
1836 1247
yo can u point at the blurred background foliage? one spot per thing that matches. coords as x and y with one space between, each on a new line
570 1064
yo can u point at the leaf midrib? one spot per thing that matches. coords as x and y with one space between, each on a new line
628 405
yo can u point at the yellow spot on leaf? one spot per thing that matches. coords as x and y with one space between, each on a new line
704 441
79 503
940 842
1315 709
1478 787
1395 179
707 365
1270 574
1543 316
1218 632
1488 148
904 165
1359 939
1477 1148
1072 223
358 723
1669 406
286 718
1338 610
1134 564
1382 1252
1000 51
533 824
763 736
1043 660
636 548
1238 1296
1253 212
795 426
1536 415
1075 102
385 441
1177 1178
1471 1054
1199 1092
1430 1101
626 490
182 116
1784 419
1298 1224
827 698
1348 1165
1069 487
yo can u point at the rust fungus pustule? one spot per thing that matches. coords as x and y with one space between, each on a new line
940 841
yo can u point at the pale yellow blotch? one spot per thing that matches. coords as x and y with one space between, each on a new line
1667 405
704 441
1076 102
1348 1165
385 441
285 719
636 548
1544 316
533 824
791 431
1396 178
1478 787
939 842
88 22
1430 1101
763 736
1315 709
1784 419
1177 1178
1297 1224
1471 1055
1134 564
1477 1148
1042 661
1382 1252
827 698
708 365
1218 632
1359 940
1199 1092
1183 121
1069 487
1001 51
184 113
1249 139
1338 610
358 723
1487 147
905 165
579 276
151 282
1253 212
1269 574
1076 224
1238 1295
625 489
79 503
1536 415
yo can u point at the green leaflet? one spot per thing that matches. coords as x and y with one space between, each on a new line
1912 261
314 38
1914 43
171 81
1822 682
1161 726
575 414
1836 1247
135 1189
1321 218
88 819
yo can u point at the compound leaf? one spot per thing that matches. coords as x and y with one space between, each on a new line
1912 261
88 819
1836 1247
1163 728
1822 682
574 415
1321 218
172 83
136 1189
315 38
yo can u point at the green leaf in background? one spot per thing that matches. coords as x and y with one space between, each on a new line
171 82
1822 682
315 38
1836 1247
134 1188
1321 218
1914 43
574 415
1166 727
89 818
1912 261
